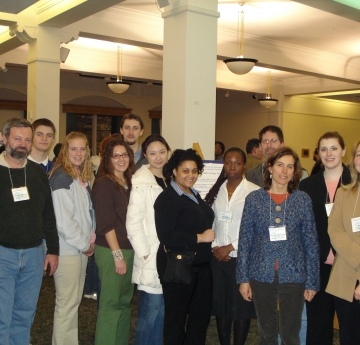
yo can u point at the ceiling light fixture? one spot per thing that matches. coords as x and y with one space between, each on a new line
118 86
268 102
240 65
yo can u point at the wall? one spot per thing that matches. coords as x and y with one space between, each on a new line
306 118
303 120
240 117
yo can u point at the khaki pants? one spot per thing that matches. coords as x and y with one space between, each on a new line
69 284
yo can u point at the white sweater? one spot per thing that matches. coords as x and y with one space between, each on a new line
140 226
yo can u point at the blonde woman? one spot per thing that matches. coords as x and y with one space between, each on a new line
75 222
345 238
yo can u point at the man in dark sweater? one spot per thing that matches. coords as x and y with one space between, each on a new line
27 218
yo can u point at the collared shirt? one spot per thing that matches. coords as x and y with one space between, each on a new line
137 154
46 164
4 162
181 192
228 232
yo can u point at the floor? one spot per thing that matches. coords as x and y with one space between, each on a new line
42 328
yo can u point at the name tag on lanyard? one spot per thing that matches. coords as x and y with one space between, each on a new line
225 216
20 194
355 224
278 233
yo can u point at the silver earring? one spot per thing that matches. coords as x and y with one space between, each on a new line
270 175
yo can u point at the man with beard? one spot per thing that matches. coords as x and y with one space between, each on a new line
271 138
27 218
132 128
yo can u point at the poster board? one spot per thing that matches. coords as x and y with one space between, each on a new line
211 173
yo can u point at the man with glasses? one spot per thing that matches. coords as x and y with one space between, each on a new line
271 138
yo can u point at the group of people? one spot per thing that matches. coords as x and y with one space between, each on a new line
263 239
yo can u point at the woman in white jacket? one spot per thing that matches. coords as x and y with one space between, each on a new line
148 182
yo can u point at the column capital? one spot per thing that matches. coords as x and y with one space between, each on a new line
180 6
67 37
25 34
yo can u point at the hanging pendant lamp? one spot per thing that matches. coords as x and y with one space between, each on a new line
118 86
268 102
240 65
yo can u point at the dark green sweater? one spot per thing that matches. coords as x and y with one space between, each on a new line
24 224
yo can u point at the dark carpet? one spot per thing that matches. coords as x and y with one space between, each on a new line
43 323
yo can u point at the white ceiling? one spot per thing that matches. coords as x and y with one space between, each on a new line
310 50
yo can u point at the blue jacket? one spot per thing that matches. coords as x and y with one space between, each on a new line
298 256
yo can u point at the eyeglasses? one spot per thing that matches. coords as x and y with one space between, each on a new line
271 141
117 156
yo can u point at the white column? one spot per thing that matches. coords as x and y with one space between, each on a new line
43 98
189 74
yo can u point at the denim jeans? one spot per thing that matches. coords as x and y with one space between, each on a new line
150 318
21 272
92 277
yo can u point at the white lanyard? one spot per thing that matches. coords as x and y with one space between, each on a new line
355 222
12 186
20 193
277 233
284 209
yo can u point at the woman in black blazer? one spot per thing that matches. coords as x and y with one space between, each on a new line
183 223
322 188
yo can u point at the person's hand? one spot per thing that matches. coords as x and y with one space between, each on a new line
120 267
207 236
222 253
309 295
89 251
52 261
245 291
357 293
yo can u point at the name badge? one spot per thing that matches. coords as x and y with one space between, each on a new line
355 223
226 216
20 194
277 234
328 208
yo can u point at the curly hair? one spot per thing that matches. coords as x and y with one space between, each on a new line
177 158
63 158
281 152
355 175
105 141
106 167
213 192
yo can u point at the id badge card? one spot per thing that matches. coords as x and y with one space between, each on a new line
226 216
328 208
355 224
277 234
20 194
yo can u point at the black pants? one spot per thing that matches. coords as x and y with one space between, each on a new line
320 313
349 321
188 308
291 303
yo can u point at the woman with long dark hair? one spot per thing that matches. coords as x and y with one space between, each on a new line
148 182
183 224
114 255
227 197
278 256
